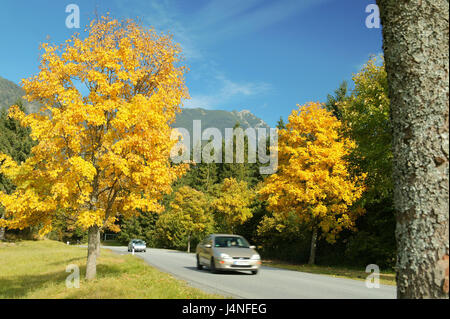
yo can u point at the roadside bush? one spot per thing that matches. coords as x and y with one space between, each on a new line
142 227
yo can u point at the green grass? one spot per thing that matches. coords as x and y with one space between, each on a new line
37 269
111 243
386 278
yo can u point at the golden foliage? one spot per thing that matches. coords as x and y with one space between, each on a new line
233 202
312 180
106 152
188 217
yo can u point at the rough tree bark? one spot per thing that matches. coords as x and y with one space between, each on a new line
415 44
2 229
98 244
189 243
312 254
93 234
93 248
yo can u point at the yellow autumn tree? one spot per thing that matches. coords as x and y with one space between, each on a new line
189 218
232 204
103 130
313 179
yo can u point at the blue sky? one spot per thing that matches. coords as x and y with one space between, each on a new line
264 56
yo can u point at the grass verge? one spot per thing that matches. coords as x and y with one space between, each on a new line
37 269
115 243
386 278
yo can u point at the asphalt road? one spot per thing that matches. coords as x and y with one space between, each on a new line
268 283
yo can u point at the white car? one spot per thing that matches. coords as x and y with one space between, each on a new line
227 252
137 245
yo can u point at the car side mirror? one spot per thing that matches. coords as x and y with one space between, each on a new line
252 247
208 246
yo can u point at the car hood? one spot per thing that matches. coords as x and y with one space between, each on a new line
235 252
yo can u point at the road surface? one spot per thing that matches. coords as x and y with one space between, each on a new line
274 283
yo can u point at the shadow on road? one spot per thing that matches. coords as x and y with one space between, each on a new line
178 252
206 270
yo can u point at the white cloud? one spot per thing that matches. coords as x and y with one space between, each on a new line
230 88
213 22
266 15
203 101
226 90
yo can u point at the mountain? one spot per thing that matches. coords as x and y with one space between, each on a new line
11 92
217 118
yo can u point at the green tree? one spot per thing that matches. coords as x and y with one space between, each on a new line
365 115
64 229
202 176
340 95
242 171
280 124
232 204
142 227
188 218
16 142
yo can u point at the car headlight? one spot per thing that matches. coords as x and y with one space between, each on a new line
225 256
256 257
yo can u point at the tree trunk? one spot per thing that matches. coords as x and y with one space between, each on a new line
98 244
207 176
189 244
93 244
416 50
312 254
2 229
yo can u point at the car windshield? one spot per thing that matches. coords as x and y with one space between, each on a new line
230 242
140 242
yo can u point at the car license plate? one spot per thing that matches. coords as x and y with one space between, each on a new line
241 263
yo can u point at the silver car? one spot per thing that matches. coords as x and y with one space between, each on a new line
137 245
227 252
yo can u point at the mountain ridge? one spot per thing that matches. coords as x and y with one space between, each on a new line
10 93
